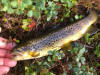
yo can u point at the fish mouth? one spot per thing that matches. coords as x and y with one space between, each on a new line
20 56
24 55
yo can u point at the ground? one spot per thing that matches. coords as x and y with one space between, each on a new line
11 29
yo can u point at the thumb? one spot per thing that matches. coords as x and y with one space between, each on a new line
5 44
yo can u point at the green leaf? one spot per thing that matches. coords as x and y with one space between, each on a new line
50 52
14 3
17 41
26 21
62 55
97 64
25 27
83 67
83 60
72 20
78 64
68 13
37 14
97 50
70 5
10 10
77 59
30 13
92 69
76 69
34 73
81 52
62 1
76 17
80 16
5 8
56 0
27 2
64 73
49 58
70 66
42 4
87 38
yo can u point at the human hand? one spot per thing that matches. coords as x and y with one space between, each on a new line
5 62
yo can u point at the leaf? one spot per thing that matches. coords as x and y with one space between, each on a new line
97 50
68 13
69 3
17 41
62 55
70 66
27 2
92 69
81 52
76 17
83 68
42 4
62 1
64 73
10 10
34 73
37 14
5 8
80 16
14 3
76 69
83 60
50 52
26 28
56 0
49 58
78 64
30 13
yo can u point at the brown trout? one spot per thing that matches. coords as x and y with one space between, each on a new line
39 47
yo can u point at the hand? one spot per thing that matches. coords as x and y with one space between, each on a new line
5 61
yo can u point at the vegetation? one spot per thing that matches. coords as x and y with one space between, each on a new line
78 64
22 19
36 7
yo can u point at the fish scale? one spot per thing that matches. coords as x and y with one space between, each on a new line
39 47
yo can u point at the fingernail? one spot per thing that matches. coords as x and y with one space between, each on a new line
2 43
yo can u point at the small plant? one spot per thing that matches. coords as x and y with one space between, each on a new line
78 65
34 8
42 67
97 50
89 39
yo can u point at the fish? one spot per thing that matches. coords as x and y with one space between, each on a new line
39 47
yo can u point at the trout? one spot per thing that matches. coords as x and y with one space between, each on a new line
39 47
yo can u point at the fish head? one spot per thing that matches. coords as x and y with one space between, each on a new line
24 55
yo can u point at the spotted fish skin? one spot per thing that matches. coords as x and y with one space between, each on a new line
39 47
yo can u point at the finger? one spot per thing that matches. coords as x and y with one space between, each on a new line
10 46
3 52
4 44
1 61
8 55
4 70
9 62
